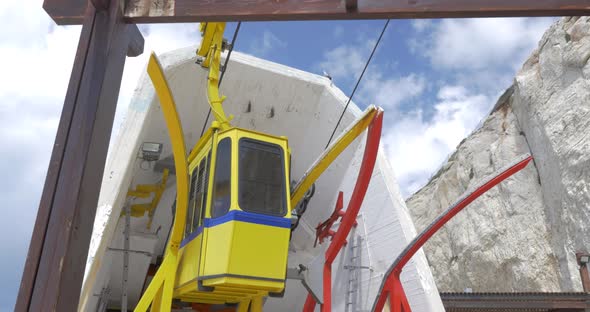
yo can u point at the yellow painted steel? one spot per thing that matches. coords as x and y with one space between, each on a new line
230 250
204 140
224 256
145 191
256 304
330 154
159 292
210 49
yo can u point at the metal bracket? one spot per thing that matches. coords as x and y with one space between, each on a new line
302 274
149 254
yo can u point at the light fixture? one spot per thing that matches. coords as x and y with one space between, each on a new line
583 258
150 151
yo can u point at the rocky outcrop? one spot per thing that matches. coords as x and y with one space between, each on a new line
523 234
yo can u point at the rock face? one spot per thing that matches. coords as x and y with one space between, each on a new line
523 234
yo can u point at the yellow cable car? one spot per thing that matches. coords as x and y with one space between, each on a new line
230 235
238 220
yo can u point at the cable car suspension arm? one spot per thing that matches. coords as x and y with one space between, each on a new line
329 155
210 49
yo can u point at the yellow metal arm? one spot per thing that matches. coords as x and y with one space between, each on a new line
210 50
145 191
159 292
330 154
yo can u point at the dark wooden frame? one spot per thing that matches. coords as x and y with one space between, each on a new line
174 11
55 263
516 301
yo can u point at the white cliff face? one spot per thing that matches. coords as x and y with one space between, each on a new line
523 234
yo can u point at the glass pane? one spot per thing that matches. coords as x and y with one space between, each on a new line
222 181
206 186
262 178
191 203
199 190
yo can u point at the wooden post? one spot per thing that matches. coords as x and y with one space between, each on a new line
55 264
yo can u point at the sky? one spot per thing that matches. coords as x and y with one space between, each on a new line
436 80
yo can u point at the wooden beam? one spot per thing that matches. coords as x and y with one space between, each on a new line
55 264
174 11
510 301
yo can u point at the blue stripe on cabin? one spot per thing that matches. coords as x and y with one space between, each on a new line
238 215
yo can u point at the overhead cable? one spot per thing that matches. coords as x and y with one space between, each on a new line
358 81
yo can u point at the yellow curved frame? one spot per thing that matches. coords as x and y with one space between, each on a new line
159 292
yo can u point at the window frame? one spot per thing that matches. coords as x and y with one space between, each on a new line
215 171
199 204
283 211
190 211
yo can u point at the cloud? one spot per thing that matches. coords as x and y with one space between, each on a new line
416 145
479 53
263 45
475 60
418 140
421 25
38 58
476 44
390 92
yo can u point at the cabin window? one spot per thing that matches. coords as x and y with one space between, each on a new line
221 199
206 186
261 178
199 193
191 202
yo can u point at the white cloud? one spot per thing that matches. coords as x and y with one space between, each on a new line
416 142
263 45
421 25
486 43
390 92
343 62
476 60
416 146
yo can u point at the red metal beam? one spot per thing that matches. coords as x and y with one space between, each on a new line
174 11
310 304
394 271
354 205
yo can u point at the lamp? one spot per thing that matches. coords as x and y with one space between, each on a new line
150 151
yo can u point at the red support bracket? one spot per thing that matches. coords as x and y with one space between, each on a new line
324 229
391 286
348 216
310 304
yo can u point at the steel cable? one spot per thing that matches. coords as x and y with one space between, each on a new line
358 82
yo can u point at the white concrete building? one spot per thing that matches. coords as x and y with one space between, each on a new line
275 99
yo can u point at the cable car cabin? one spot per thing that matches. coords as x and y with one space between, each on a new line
238 220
